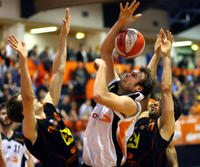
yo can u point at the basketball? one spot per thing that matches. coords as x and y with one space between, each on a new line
129 43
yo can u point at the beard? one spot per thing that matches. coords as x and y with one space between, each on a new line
154 115
5 124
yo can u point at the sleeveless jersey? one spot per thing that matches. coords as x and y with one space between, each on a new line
107 132
14 150
54 145
146 146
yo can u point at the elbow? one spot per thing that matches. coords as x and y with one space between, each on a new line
97 97
28 98
166 88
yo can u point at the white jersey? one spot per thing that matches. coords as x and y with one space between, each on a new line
14 150
107 133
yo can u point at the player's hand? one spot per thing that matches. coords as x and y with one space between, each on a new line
98 63
166 43
157 43
66 26
126 13
19 47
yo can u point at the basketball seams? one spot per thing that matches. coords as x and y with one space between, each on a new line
139 44
129 43
133 40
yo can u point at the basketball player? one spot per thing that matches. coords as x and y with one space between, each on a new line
45 134
118 102
13 146
154 128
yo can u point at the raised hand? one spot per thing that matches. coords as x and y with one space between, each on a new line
126 13
19 47
66 27
157 45
166 43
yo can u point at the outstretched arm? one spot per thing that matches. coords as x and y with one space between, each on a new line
125 17
171 155
153 64
59 64
29 121
167 121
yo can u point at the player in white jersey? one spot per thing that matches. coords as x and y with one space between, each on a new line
13 146
118 102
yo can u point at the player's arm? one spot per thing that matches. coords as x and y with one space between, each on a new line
125 17
171 155
153 64
29 121
59 62
122 104
2 160
166 121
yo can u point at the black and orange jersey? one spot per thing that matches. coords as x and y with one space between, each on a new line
146 146
54 145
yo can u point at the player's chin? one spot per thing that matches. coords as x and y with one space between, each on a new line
154 114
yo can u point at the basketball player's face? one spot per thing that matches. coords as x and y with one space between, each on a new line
37 104
4 120
154 109
129 80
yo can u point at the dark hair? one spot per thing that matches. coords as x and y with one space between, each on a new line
147 83
178 110
2 106
15 109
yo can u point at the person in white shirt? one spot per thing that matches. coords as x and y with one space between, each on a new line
13 146
118 102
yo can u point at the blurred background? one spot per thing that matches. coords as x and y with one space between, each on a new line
90 21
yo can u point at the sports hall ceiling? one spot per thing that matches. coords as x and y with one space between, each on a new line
182 14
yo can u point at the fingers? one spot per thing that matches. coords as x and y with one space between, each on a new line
126 6
135 7
67 15
136 16
64 21
12 41
169 36
121 7
23 43
132 4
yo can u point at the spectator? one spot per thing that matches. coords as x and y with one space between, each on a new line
86 108
82 55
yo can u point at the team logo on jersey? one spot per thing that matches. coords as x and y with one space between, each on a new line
134 141
104 117
67 136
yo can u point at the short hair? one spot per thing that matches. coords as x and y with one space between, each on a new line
147 83
15 109
178 110
2 106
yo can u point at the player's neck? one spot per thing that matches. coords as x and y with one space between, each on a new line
40 114
8 132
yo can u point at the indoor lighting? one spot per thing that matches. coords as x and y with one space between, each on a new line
80 35
195 47
43 30
182 43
